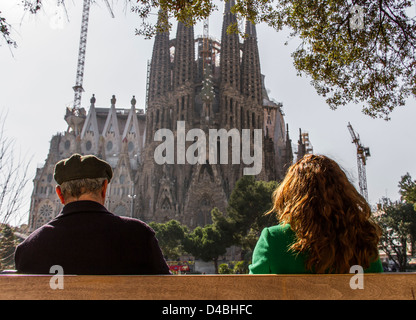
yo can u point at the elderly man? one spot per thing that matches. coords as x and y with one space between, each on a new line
85 238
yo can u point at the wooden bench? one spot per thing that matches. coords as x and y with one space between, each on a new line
385 286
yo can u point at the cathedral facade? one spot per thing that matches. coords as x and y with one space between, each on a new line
196 86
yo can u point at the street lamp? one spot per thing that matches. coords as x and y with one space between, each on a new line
132 197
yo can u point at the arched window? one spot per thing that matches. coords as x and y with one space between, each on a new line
166 204
45 214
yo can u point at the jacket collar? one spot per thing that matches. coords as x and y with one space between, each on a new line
83 206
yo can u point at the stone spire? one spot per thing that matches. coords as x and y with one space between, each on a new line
183 65
251 79
230 50
91 123
159 78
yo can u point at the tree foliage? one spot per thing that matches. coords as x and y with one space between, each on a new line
5 32
206 243
398 222
224 269
249 201
8 245
186 11
170 236
372 64
245 216
408 189
241 225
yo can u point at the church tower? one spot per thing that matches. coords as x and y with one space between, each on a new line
159 80
204 94
251 86
196 89
230 70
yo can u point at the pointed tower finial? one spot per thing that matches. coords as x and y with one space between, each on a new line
183 63
133 102
230 50
159 74
162 21
113 100
92 100
251 78
250 29
228 5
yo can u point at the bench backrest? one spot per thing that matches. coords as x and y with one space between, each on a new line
211 287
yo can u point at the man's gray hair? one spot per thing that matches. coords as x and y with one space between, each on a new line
76 188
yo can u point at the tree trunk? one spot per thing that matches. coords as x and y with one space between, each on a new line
215 265
403 258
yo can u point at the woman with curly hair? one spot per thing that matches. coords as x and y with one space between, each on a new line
325 224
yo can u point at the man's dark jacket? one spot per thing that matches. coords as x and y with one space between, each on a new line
85 238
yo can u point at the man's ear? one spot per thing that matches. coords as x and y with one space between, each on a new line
59 193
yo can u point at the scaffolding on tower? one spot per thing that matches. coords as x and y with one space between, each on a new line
205 50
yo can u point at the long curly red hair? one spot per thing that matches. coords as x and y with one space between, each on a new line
331 220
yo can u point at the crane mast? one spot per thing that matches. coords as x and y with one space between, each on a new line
362 154
75 115
78 89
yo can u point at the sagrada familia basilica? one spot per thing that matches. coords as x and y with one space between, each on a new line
193 83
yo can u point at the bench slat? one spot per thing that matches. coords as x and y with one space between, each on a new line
211 287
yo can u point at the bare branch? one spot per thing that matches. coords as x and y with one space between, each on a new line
13 176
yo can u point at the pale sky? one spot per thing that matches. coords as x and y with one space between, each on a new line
36 81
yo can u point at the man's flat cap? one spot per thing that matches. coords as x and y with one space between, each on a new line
82 167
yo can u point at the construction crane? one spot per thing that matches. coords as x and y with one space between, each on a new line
362 154
75 112
78 89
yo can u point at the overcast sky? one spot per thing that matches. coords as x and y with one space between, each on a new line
36 81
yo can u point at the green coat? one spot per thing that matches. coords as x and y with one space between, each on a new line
271 254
